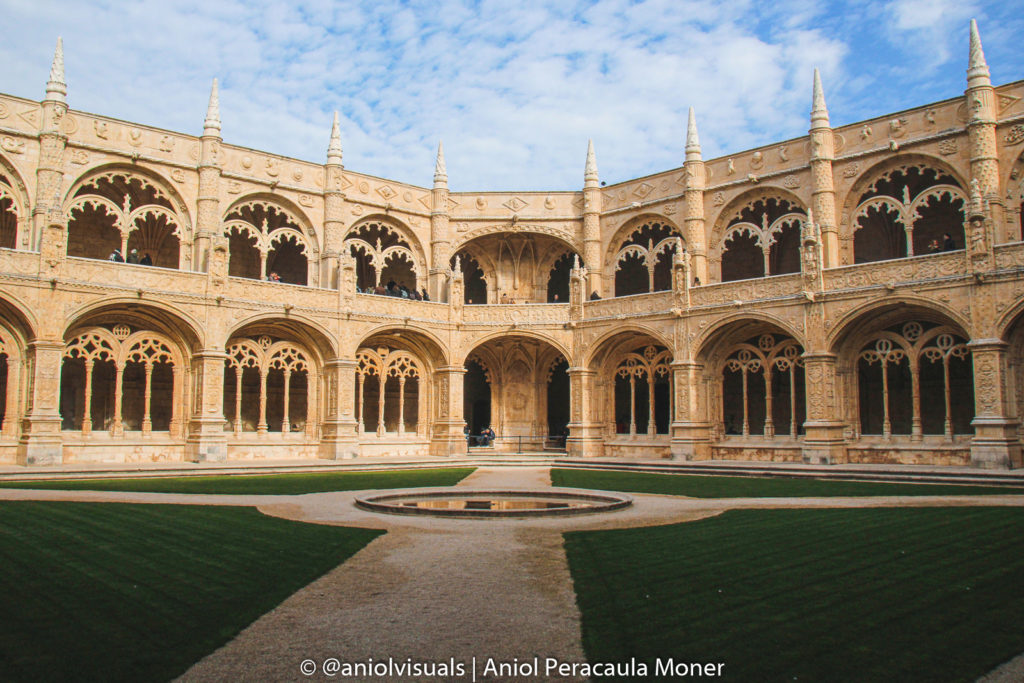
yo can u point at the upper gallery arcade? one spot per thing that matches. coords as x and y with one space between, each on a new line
854 295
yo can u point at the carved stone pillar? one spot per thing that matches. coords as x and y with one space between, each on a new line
208 201
585 438
823 187
52 143
41 442
440 239
691 431
995 444
207 440
340 431
592 205
447 437
823 428
334 204
693 201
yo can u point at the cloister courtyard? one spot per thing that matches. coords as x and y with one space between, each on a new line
864 575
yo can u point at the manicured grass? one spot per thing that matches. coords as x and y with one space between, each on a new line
701 486
261 484
141 592
929 594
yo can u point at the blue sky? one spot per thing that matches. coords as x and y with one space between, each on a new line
514 89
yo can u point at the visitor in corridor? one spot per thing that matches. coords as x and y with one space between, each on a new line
116 256
273 277
146 260
487 436
947 243
933 247
594 296
133 256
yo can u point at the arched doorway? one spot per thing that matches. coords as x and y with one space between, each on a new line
521 383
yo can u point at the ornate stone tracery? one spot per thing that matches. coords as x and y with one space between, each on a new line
770 355
383 255
126 351
264 355
644 260
126 211
266 238
384 363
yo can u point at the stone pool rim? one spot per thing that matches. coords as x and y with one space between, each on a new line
385 503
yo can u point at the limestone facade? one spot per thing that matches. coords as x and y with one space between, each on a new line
855 295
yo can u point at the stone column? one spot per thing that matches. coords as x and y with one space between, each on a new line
41 442
440 239
995 444
693 201
340 433
447 437
690 429
823 191
208 202
823 427
592 204
207 441
585 437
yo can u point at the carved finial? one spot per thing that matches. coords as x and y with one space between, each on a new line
334 148
808 231
692 139
575 261
458 264
819 110
977 68
440 172
56 88
590 177
211 126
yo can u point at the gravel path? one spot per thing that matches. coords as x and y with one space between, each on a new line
446 591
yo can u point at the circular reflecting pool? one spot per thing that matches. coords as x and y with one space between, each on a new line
493 504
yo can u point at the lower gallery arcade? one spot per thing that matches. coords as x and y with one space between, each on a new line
132 387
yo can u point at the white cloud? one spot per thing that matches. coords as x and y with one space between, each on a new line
514 89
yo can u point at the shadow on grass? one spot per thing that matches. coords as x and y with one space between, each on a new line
811 595
141 592
260 484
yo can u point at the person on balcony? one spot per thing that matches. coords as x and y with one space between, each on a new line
133 256
116 256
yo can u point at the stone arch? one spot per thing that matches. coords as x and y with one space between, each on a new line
704 341
888 214
559 234
639 257
599 345
757 234
396 373
313 335
531 334
270 237
159 315
922 308
514 265
386 249
526 394
633 384
900 351
752 372
19 317
125 368
128 207
16 330
15 208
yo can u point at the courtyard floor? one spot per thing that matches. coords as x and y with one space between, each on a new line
433 589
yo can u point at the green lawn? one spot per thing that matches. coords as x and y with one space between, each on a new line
811 595
140 592
702 486
261 484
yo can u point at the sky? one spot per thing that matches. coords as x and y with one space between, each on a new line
513 88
